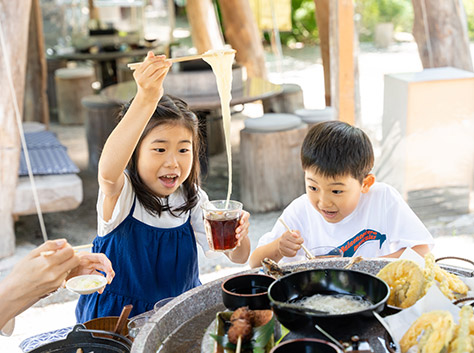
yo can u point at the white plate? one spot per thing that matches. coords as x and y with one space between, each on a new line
86 284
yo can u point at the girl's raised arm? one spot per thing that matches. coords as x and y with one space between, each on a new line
124 138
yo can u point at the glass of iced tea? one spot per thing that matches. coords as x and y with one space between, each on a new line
220 223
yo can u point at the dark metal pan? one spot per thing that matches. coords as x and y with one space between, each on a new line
299 285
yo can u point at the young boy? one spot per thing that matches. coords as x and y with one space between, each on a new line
343 205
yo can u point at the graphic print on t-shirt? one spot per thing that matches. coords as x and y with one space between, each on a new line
350 246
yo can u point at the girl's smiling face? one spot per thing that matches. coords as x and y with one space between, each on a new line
165 158
335 198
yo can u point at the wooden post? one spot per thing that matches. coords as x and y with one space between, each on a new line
36 99
205 29
440 30
241 32
15 35
341 32
322 19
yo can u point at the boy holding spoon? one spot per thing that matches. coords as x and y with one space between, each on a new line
343 205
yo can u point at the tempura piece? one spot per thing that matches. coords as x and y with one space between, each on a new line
406 281
432 332
462 343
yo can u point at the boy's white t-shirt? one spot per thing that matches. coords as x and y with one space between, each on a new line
381 224
166 220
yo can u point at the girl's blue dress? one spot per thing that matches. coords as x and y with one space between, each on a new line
150 264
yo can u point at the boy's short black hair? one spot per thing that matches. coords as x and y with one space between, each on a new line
335 148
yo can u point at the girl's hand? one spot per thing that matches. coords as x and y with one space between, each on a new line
243 229
150 76
90 263
289 243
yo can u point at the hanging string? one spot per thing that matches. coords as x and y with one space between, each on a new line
22 133
427 33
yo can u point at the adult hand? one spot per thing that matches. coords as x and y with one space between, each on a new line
289 243
150 76
35 276
90 263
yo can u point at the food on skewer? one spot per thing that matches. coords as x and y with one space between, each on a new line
240 328
244 313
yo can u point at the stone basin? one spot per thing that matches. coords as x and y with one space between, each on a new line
179 326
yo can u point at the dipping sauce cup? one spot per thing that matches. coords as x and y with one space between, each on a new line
322 252
220 224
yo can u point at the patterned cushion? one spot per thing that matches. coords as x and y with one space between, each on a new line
33 342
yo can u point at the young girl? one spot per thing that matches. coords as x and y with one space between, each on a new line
149 217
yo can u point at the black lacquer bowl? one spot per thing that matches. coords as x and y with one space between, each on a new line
247 290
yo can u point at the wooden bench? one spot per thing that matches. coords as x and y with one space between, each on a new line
56 192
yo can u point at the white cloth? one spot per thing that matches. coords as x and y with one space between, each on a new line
381 213
166 220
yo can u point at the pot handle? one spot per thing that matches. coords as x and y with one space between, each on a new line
80 330
455 258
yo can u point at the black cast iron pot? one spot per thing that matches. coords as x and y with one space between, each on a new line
299 285
82 338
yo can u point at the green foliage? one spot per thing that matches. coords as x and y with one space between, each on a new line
371 12
469 8
304 29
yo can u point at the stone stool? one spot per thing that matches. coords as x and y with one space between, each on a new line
72 84
289 100
314 116
101 120
271 173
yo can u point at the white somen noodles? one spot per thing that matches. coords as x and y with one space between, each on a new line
334 304
221 62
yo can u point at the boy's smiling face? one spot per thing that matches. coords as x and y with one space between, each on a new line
335 198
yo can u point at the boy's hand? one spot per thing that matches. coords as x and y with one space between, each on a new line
289 243
151 74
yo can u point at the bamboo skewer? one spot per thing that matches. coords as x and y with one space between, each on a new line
134 66
239 345
308 253
75 248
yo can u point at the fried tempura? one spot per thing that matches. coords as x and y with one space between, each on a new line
432 332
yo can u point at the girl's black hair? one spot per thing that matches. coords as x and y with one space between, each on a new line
170 110
335 148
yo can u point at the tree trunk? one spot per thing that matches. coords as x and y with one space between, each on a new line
36 99
322 19
343 57
440 30
241 32
15 39
205 29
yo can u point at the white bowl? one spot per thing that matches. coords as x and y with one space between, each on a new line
86 284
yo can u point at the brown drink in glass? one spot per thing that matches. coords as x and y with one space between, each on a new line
220 224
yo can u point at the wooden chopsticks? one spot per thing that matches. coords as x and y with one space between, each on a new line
133 66
76 248
310 256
